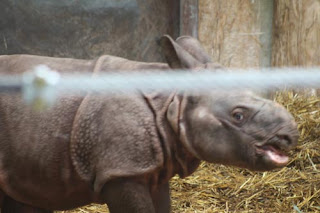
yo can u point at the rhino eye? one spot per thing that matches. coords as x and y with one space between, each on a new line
238 116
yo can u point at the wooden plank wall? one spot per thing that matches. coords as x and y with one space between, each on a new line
230 31
296 34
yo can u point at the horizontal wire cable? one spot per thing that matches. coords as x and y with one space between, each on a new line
271 79
42 86
146 80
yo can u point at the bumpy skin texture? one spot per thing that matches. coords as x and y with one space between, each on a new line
122 150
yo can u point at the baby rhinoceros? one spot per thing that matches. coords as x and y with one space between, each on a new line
122 150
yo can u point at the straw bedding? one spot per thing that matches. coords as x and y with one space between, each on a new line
295 188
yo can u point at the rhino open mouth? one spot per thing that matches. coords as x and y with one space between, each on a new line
273 150
273 153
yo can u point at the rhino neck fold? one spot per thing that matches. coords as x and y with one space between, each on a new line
177 159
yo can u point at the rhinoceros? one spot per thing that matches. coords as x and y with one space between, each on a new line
122 150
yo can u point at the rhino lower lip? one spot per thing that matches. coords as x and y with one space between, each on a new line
274 154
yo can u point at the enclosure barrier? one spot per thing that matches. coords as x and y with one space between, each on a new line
42 86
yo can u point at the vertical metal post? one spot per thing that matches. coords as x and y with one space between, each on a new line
189 14
264 10
174 20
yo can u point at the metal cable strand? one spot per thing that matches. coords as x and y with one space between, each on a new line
43 85
201 81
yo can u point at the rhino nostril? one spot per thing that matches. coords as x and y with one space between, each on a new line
284 139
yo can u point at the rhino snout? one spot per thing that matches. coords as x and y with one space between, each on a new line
274 150
285 142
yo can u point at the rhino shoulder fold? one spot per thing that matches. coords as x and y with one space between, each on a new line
114 137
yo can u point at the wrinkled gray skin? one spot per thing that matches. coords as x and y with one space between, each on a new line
122 150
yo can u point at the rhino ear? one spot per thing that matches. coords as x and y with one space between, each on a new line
193 46
176 56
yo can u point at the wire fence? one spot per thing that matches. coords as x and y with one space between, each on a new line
45 84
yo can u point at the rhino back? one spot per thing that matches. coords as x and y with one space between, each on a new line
17 64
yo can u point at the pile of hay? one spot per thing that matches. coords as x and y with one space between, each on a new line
295 188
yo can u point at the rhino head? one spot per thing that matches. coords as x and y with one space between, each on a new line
229 127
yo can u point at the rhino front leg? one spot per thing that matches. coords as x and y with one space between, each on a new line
9 206
161 198
124 196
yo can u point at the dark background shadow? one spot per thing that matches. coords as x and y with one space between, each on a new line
87 28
